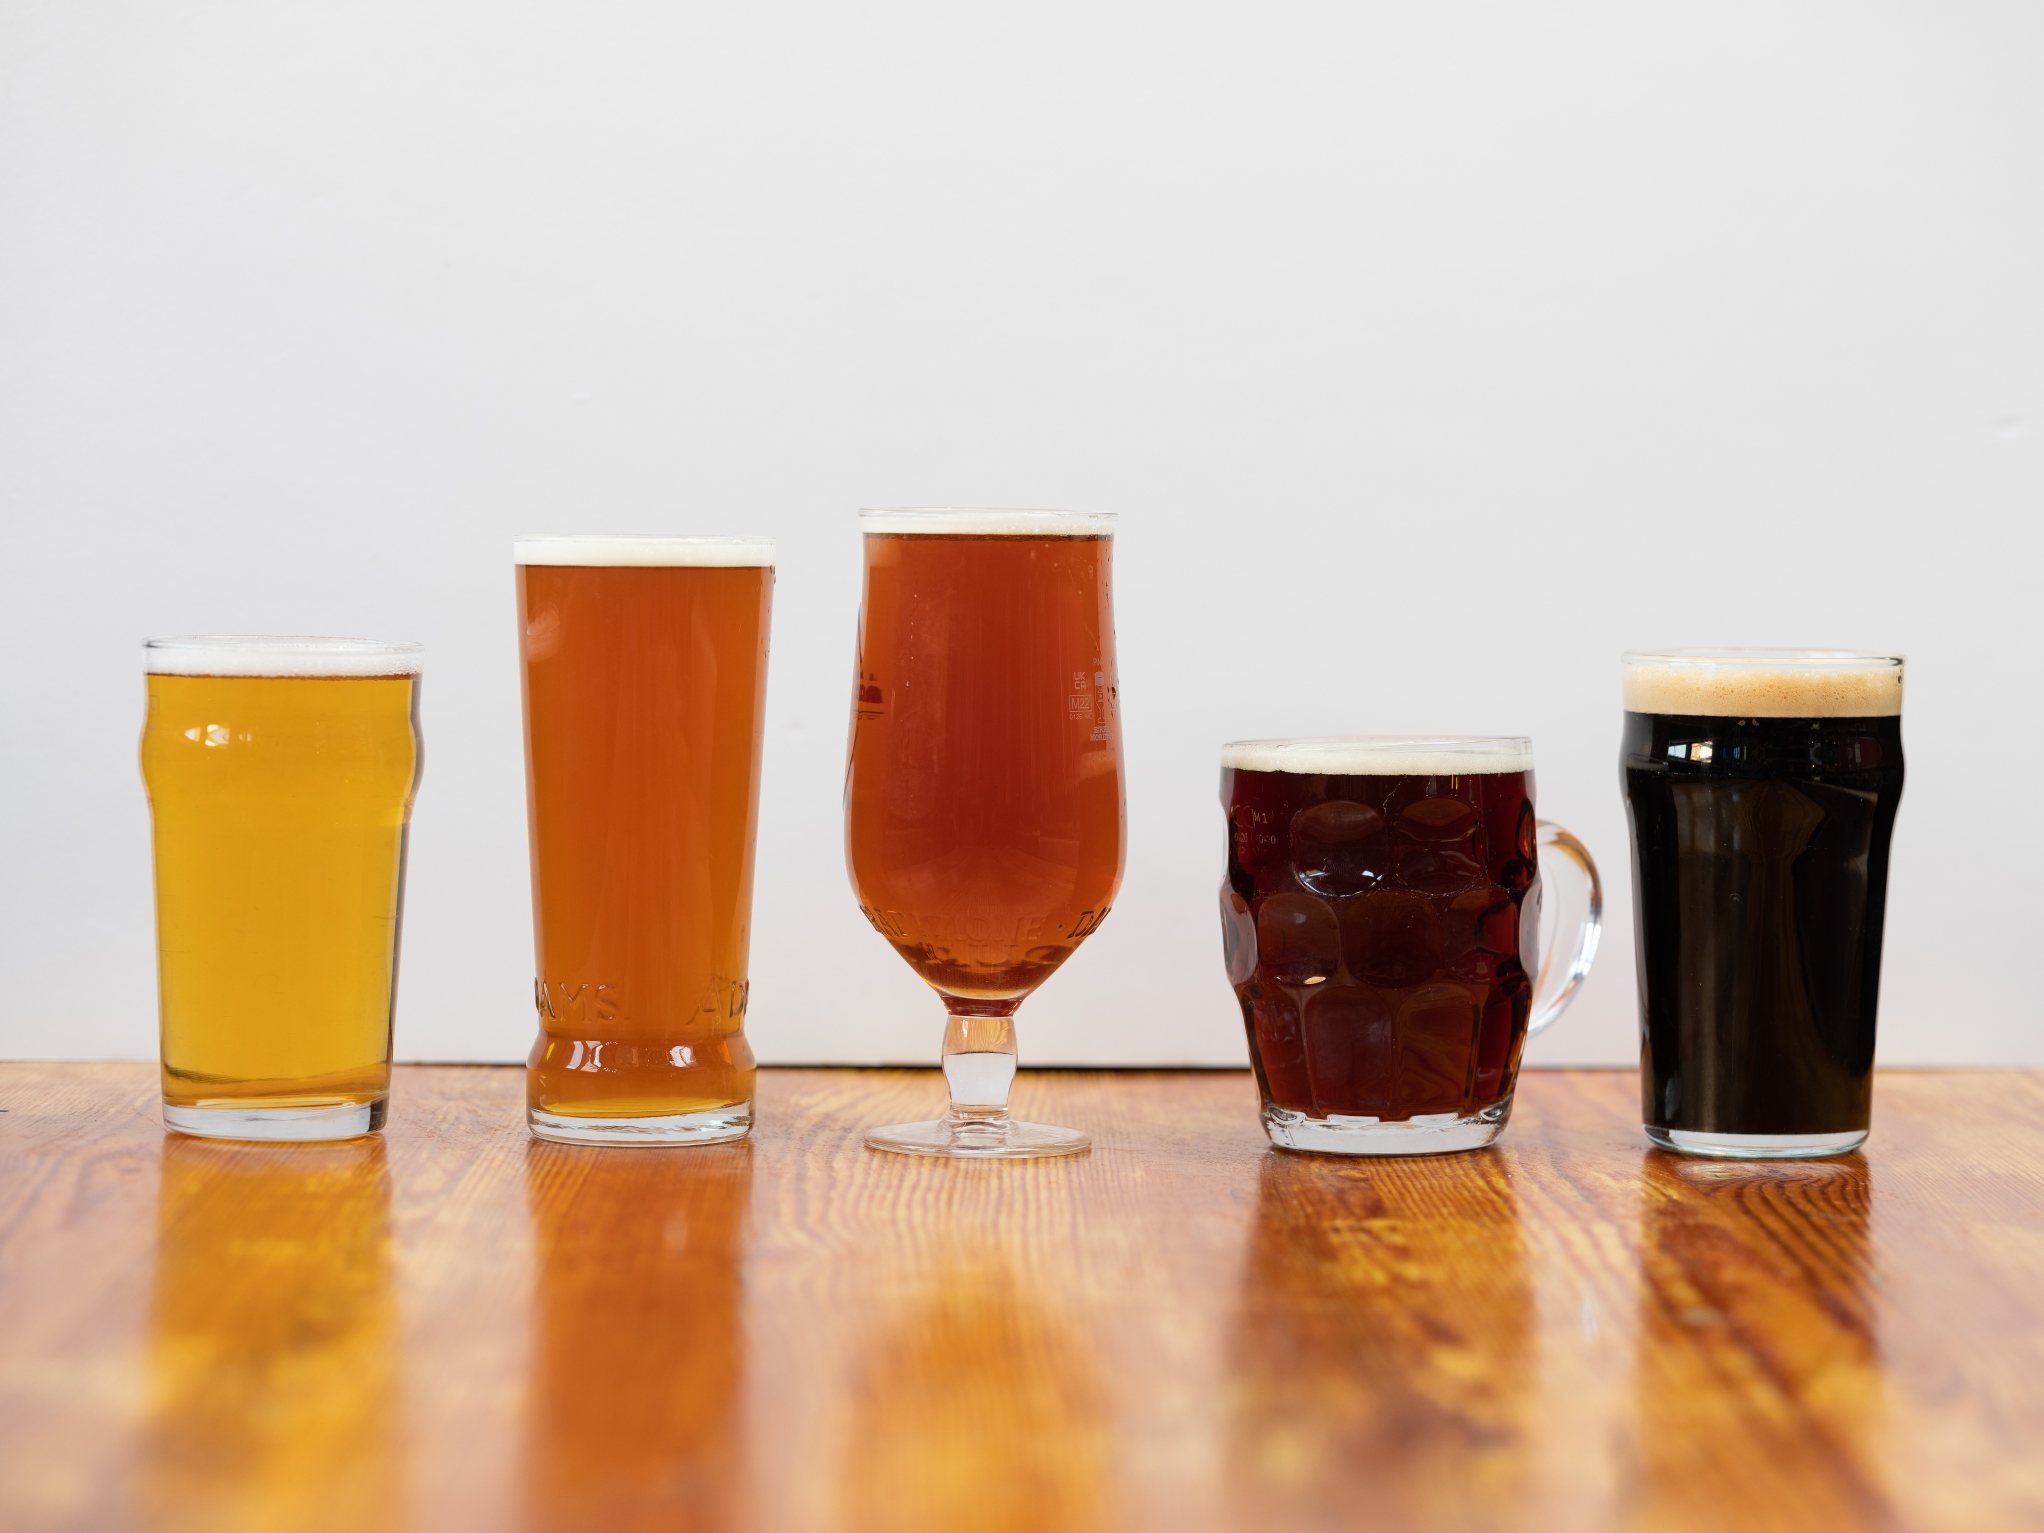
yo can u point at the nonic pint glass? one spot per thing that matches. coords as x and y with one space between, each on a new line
645 663
1761 786
1380 918
280 773
983 797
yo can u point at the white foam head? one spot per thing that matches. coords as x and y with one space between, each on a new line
1763 683
710 553
1383 755
986 522
263 654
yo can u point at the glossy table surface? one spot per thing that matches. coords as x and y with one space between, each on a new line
455 1327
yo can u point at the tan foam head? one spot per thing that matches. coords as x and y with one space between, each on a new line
1763 683
1383 755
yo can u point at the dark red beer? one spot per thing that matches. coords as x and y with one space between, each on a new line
1381 925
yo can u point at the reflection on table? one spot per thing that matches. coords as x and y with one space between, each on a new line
975 1406
1759 1352
638 1364
1183 1330
273 1392
1381 1351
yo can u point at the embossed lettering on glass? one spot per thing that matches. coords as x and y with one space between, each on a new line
983 798
1381 922
1761 786
645 664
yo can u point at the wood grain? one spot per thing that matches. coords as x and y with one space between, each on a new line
457 1328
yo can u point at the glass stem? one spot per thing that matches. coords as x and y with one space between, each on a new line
979 1067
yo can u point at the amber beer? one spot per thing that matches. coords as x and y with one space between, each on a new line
645 666
280 773
983 801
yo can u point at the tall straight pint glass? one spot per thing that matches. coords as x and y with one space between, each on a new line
645 663
983 798
1761 786
1381 923
281 773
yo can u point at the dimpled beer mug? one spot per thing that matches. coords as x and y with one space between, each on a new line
983 802
280 774
1381 922
645 664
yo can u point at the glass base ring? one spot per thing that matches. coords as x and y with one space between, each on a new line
979 1139
1684 1141
716 1125
303 1125
1427 1134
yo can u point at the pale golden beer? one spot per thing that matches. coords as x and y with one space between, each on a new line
281 773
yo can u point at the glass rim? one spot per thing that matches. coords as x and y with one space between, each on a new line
603 550
987 521
1390 755
1766 659
273 654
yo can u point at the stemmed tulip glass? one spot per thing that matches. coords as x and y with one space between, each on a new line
983 799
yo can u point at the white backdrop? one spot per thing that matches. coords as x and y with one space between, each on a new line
1431 354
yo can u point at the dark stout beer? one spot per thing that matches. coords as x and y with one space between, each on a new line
1762 789
1381 914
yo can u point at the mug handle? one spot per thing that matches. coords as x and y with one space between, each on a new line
1556 986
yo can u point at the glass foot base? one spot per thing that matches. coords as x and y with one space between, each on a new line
978 1140
1756 1146
348 1120
1429 1134
717 1125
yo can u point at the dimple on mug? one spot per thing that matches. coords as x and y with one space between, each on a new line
1381 916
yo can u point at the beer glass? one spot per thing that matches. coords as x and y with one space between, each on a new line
1761 786
280 774
645 663
1381 923
983 801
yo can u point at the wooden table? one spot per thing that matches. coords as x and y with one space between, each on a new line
456 1327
